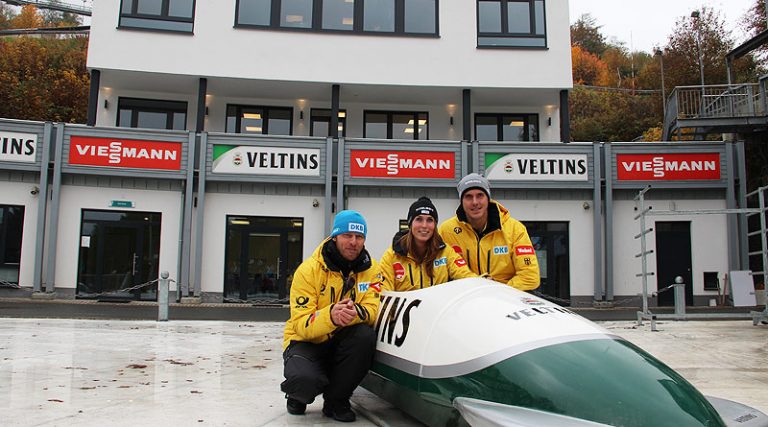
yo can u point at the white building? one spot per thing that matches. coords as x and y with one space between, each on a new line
271 115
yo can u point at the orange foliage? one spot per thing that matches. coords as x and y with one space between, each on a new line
588 69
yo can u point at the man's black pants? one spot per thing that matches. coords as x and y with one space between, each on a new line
334 368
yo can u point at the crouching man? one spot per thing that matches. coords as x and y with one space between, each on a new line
329 340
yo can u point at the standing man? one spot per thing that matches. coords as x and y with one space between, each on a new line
329 340
494 244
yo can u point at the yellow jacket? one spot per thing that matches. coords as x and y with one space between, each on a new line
503 251
403 273
317 285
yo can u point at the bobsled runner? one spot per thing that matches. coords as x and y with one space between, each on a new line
475 352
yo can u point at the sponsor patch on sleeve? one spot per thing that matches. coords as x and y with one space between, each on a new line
363 286
457 249
460 262
376 287
399 270
524 250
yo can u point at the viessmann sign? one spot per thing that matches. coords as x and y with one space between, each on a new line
668 167
402 164
124 153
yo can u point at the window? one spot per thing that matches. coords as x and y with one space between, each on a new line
408 17
507 127
11 226
164 15
152 114
396 125
511 23
320 122
259 120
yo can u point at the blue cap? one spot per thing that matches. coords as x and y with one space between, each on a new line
349 222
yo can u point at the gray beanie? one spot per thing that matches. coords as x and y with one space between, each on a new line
471 181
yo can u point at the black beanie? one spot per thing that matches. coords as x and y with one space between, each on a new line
423 206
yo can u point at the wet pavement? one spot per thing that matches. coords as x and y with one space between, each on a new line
65 372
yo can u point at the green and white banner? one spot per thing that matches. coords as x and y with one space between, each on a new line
251 160
536 167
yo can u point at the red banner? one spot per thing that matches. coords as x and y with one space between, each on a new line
402 164
124 153
668 167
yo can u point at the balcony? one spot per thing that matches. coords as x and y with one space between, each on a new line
707 109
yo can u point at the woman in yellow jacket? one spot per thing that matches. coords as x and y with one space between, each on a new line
418 258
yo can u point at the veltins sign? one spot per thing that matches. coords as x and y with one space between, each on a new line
17 147
124 153
668 167
536 167
402 164
243 159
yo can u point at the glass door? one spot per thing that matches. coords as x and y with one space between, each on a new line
261 255
550 241
118 251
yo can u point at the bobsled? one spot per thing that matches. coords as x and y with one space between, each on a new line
475 352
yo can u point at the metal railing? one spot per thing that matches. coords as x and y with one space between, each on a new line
53 5
720 101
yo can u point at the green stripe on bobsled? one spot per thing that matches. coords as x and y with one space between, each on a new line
605 381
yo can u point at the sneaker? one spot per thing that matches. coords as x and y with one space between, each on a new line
340 412
295 407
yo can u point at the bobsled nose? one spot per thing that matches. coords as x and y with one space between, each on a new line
482 413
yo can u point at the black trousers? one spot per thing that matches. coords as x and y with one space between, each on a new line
334 368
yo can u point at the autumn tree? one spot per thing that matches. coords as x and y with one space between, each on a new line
588 69
29 17
611 115
55 18
44 79
6 15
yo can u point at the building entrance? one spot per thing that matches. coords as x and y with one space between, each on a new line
550 241
673 258
261 256
118 250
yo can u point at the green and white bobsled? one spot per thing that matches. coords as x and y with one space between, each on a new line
476 352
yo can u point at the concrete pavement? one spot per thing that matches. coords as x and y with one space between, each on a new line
65 372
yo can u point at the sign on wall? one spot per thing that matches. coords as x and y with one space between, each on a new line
668 167
124 153
402 164
17 147
244 159
536 167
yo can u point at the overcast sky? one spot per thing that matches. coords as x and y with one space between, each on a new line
643 24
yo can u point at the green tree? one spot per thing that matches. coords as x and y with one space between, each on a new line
611 115
55 18
585 33
6 15
704 38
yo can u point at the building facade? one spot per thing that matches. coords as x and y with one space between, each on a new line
223 136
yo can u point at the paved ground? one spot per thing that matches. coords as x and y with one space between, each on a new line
64 372
135 310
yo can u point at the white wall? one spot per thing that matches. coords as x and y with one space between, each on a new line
18 193
709 243
219 49
74 199
218 206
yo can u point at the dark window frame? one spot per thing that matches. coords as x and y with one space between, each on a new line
505 34
265 118
315 118
357 27
501 119
152 106
390 115
164 16
5 226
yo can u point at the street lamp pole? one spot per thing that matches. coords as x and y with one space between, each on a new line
658 52
697 22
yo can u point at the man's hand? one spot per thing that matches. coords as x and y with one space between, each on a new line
343 312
